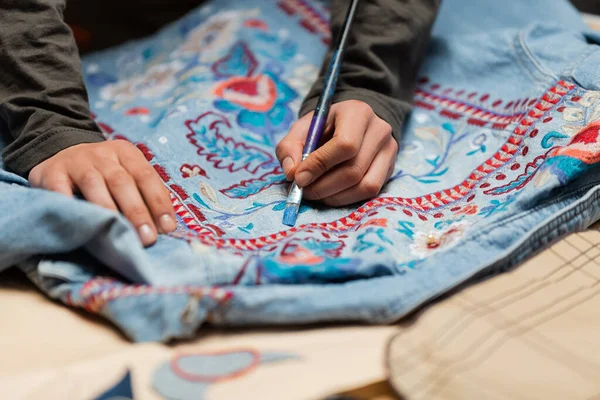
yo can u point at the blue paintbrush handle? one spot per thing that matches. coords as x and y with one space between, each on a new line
317 125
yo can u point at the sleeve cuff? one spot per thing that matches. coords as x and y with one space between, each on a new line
389 114
47 145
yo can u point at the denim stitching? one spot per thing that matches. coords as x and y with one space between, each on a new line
529 54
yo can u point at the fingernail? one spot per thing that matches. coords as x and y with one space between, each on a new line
304 178
146 234
167 224
287 165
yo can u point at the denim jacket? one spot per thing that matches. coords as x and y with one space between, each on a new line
497 160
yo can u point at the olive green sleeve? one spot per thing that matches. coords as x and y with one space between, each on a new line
387 43
43 100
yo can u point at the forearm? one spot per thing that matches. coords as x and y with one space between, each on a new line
43 101
387 43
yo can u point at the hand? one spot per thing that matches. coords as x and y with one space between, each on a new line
111 174
352 166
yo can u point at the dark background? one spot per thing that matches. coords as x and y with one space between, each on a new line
98 25
589 6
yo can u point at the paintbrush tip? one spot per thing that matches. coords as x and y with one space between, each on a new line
290 214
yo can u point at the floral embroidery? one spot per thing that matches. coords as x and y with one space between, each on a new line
218 32
496 206
211 134
254 94
206 101
301 261
207 134
426 243
246 82
189 171
262 103
373 239
584 146
239 61
469 209
157 82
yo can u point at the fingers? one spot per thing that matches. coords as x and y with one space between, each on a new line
154 193
57 181
92 186
124 190
372 182
289 149
351 124
351 172
114 175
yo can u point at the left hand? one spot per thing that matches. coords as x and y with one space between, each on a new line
353 165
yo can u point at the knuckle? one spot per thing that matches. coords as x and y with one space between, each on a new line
122 146
354 174
361 107
89 177
384 127
120 143
394 146
118 178
53 183
370 188
144 174
35 178
105 157
348 146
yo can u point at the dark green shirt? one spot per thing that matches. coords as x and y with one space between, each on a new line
43 101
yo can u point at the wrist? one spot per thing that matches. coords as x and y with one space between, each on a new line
44 146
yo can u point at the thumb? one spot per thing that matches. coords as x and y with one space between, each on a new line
289 149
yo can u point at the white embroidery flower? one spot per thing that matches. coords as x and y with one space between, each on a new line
156 82
426 243
589 98
573 114
216 33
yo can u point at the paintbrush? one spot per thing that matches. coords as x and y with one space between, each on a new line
317 125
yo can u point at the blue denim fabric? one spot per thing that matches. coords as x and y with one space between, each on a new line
497 160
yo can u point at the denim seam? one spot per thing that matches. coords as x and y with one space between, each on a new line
519 60
539 235
569 72
532 245
558 199
529 63
529 54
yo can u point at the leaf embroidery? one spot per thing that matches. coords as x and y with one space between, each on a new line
207 134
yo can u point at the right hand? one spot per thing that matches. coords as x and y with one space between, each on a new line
114 175
352 166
